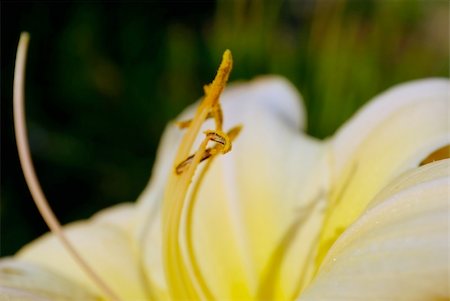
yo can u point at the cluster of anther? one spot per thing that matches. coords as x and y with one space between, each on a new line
223 141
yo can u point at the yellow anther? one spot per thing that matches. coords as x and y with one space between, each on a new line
234 132
184 124
206 89
221 138
183 165
212 151
216 87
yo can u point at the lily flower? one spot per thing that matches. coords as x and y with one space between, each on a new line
243 205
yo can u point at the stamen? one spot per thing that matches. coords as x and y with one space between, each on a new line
204 109
185 164
30 174
234 132
218 116
183 281
209 152
216 113
221 138
184 123
206 89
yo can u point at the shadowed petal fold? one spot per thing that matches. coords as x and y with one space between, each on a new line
398 249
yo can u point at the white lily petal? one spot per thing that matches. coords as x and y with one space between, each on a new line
153 193
105 246
398 249
250 197
25 281
389 136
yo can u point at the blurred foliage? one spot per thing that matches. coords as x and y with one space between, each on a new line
104 79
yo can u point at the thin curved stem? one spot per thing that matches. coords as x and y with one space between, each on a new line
30 174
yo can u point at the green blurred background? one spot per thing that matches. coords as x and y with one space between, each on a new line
104 79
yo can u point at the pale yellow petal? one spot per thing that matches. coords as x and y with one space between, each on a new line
398 249
389 136
24 281
106 248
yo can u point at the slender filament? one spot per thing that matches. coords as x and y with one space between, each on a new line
30 174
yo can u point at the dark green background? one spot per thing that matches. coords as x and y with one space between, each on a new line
104 79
